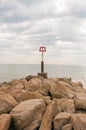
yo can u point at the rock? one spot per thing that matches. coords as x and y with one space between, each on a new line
48 116
17 92
33 84
77 86
26 95
79 121
7 102
11 89
5 120
65 79
29 77
44 89
61 119
14 82
59 90
67 127
80 101
67 105
20 95
28 114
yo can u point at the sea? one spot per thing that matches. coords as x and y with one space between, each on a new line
10 72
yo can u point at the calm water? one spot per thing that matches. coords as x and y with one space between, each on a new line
9 71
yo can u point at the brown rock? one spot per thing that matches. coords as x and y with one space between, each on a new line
77 86
33 84
79 121
48 116
44 89
11 89
59 90
61 119
5 120
28 114
80 101
67 105
67 127
7 102
23 95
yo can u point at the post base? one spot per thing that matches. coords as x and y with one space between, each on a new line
44 75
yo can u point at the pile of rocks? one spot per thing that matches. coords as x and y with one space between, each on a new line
35 103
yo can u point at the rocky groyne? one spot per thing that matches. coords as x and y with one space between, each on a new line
35 103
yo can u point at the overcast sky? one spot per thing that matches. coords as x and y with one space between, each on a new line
60 25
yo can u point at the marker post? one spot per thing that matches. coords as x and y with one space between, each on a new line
42 74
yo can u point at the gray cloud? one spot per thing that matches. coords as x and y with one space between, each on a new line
25 25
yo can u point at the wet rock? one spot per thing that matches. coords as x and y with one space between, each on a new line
5 120
28 114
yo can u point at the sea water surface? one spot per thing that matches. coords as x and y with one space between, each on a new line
9 72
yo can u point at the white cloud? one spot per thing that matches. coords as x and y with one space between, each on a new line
25 25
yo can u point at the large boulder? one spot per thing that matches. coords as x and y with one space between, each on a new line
22 95
80 101
7 102
33 84
79 121
16 91
48 116
67 105
60 90
61 119
28 114
5 120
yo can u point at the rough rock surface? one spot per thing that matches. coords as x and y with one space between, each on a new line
67 127
59 90
79 121
67 105
33 84
7 102
36 103
80 101
5 120
61 119
28 114
48 116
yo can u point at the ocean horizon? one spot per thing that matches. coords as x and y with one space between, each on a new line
10 72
